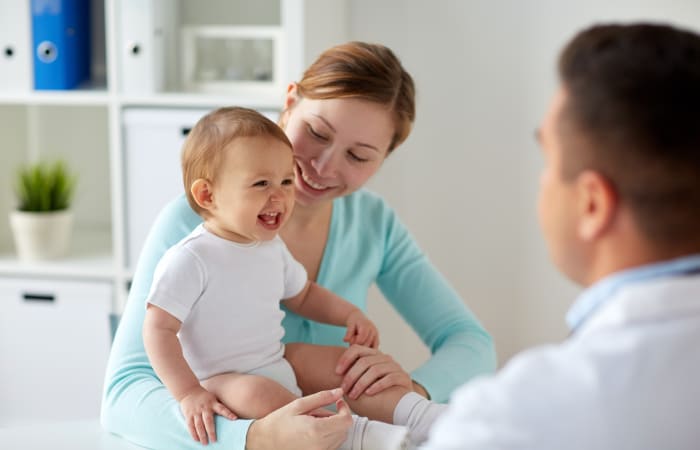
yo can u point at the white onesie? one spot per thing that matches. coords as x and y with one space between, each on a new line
227 297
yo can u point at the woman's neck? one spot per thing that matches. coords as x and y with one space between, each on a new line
308 216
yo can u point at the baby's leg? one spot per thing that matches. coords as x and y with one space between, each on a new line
254 396
248 396
314 366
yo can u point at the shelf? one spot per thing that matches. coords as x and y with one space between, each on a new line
90 258
63 98
195 100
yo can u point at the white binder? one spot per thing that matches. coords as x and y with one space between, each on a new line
15 44
146 45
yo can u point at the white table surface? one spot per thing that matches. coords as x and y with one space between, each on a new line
69 435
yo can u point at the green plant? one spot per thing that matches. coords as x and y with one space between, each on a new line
44 186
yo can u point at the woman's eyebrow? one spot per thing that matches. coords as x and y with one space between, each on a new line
328 124
359 144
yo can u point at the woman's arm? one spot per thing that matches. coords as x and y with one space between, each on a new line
368 244
460 347
136 404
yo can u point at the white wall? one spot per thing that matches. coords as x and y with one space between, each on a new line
465 181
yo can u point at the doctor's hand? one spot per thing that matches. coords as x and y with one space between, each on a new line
361 330
369 371
297 426
199 406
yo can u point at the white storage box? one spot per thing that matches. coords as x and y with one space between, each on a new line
54 344
153 141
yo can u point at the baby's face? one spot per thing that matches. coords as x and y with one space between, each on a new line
253 195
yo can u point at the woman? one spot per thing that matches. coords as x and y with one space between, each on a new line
354 106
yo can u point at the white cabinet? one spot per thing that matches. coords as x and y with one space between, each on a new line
163 59
54 342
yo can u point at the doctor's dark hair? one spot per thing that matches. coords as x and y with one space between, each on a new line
632 113
203 150
365 71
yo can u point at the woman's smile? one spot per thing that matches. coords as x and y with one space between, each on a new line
305 182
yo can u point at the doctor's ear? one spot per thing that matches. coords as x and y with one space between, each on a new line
597 204
201 191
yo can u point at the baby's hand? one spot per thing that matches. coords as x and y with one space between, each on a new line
199 407
361 330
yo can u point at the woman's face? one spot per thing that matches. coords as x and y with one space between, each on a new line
338 145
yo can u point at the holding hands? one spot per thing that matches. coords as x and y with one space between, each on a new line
298 426
367 370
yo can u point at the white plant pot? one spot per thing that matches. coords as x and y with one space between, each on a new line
41 235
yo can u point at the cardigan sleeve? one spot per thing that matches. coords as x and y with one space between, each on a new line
461 348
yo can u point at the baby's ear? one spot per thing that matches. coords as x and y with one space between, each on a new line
201 191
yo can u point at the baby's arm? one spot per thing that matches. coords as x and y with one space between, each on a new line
165 353
318 303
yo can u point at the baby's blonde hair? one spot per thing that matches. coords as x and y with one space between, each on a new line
203 150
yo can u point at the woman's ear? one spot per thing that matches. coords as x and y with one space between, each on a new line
202 193
292 95
597 203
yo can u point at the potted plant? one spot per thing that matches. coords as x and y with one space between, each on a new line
43 220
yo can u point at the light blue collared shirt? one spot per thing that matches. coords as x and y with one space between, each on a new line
597 295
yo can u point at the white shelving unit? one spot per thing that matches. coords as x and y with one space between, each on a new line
56 313
86 126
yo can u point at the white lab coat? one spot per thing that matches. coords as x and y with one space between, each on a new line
629 379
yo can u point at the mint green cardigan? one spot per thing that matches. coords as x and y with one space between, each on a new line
366 244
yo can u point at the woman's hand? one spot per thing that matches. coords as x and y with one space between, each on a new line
298 426
361 330
199 407
369 371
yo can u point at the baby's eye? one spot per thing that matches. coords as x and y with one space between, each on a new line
287 182
261 183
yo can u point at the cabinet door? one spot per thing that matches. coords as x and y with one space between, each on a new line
54 343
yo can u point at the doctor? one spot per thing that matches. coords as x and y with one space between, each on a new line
619 206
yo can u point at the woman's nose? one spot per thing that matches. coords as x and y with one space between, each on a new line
323 162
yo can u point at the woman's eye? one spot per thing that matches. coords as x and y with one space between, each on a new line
261 183
316 135
355 157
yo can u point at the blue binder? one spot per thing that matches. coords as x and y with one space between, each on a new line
61 39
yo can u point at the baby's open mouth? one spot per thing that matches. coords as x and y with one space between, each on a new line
270 220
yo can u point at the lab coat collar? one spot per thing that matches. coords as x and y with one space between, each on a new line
591 300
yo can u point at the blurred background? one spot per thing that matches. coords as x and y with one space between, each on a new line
466 180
